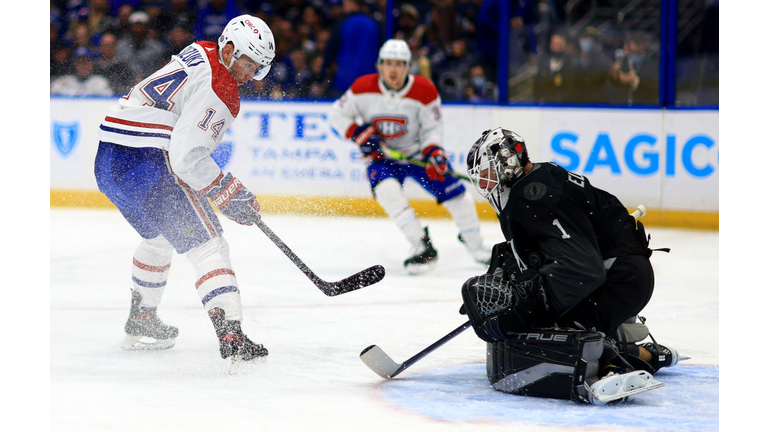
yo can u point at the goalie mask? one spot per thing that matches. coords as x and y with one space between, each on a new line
250 36
495 162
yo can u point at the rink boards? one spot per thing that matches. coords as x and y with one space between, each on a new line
290 157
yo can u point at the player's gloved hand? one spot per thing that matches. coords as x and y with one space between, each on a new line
368 139
437 162
233 199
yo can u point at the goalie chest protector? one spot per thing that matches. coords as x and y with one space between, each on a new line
550 363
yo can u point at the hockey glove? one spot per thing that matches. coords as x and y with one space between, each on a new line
437 162
368 139
233 199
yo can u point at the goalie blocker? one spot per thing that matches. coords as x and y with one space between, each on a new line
560 364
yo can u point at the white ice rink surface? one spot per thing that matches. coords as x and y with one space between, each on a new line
313 378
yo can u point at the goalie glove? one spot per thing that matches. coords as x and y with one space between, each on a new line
231 197
368 140
437 162
497 306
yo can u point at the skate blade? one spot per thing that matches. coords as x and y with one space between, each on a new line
620 387
144 343
420 269
236 364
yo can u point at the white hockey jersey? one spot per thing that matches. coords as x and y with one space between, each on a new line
183 108
409 119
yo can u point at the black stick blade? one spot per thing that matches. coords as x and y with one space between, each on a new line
362 279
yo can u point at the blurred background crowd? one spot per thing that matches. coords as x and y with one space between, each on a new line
554 51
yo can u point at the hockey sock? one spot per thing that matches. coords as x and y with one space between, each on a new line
216 283
389 193
151 264
464 214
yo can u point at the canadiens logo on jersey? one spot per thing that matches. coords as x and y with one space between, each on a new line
390 127
66 136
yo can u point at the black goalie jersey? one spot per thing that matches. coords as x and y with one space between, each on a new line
567 221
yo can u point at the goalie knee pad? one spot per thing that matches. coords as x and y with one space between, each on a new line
550 363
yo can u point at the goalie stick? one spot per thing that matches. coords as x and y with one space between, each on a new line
378 361
361 279
383 365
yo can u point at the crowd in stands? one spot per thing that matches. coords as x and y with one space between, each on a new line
102 47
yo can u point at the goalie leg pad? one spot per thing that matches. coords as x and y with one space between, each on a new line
550 363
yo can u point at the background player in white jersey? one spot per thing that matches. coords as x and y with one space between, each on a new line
400 136
154 163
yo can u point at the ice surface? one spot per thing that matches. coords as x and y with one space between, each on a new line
313 378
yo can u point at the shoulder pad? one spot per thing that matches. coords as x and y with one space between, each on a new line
366 84
423 90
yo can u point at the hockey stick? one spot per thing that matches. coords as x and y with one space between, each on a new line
640 212
378 361
361 279
388 152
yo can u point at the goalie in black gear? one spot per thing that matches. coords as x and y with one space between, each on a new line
574 257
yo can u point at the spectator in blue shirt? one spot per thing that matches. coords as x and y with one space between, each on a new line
353 48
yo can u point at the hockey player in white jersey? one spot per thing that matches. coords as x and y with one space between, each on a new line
400 136
154 163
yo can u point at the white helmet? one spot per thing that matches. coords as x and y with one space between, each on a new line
250 36
395 49
495 162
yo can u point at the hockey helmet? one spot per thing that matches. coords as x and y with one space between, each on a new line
496 161
395 49
250 36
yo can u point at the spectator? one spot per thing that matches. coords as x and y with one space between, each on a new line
318 88
108 65
522 20
555 73
176 39
177 13
309 28
353 48
141 52
634 74
455 63
283 73
591 78
303 75
442 26
61 59
411 30
99 18
122 25
479 89
84 81
213 18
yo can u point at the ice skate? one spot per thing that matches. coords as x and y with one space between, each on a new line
615 387
480 253
423 256
145 330
662 356
234 345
